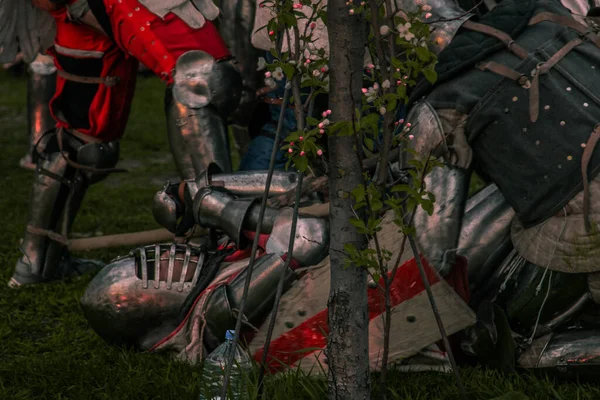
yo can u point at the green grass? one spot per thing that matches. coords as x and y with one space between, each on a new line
47 351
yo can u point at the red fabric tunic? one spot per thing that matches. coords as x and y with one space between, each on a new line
79 49
157 43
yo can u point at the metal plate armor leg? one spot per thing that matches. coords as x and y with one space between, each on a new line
41 86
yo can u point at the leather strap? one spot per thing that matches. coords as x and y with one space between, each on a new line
49 234
544 68
107 81
585 161
498 34
506 72
567 21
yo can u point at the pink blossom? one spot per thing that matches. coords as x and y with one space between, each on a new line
401 121
271 33
302 153
397 123
328 112
262 5
411 137
313 25
321 125
371 66
408 124
268 74
307 61
301 138
291 143
297 6
290 150
324 114
428 15
351 12
320 152
323 69
398 82
321 131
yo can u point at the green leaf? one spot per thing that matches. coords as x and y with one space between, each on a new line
358 223
359 193
430 74
369 143
423 53
312 121
289 70
301 163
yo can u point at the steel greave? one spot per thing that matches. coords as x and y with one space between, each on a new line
40 90
48 199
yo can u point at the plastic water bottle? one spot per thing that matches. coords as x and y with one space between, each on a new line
214 370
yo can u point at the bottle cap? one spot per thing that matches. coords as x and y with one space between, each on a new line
229 334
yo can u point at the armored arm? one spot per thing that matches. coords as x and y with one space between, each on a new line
236 27
168 204
438 234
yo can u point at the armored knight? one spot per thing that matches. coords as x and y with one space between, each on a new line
516 102
180 298
96 51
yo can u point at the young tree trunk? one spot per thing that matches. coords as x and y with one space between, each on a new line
347 349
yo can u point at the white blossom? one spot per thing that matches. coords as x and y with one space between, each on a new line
386 84
262 64
384 29
316 73
278 73
270 82
382 110
403 30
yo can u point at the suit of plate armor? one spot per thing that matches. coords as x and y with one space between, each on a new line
138 301
523 113
96 51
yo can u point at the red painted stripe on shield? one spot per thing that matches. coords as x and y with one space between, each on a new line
311 335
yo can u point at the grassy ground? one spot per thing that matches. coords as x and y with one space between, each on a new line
47 350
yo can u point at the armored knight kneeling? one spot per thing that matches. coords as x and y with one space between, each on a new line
181 298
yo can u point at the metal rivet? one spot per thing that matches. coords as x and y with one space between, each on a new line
546 107
546 177
537 142
515 98
130 15
372 284
147 23
562 123
568 88
165 56
583 145
559 166
137 9
289 325
524 130
301 313
142 29
585 104
152 43
506 110
411 318
569 158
